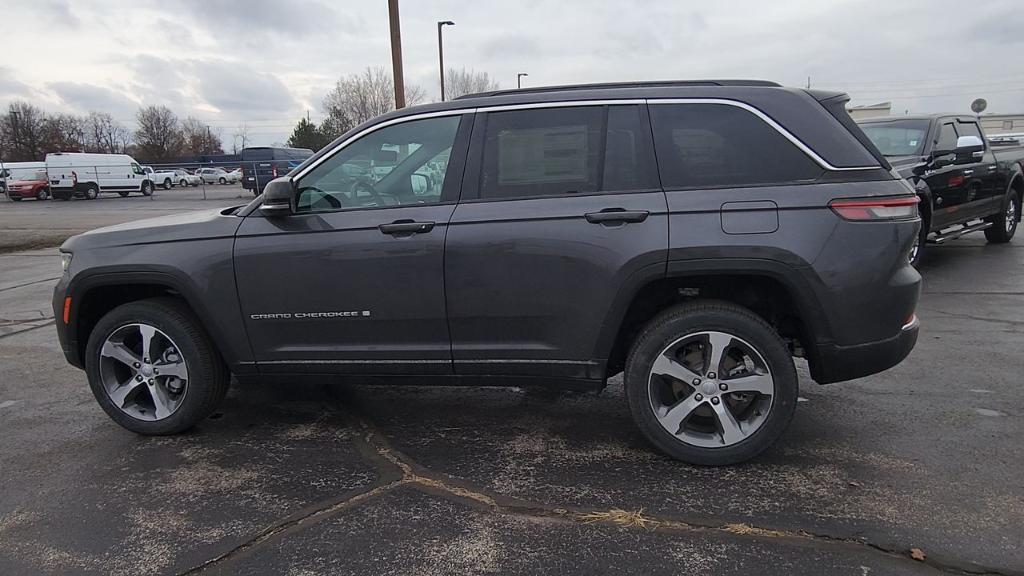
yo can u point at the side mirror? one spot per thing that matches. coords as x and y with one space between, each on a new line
277 197
968 146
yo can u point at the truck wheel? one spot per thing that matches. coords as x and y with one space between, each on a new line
917 250
91 192
710 383
153 369
147 188
1004 224
167 183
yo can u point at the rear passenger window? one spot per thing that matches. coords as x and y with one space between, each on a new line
717 145
541 152
573 150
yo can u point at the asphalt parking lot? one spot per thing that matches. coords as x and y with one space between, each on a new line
927 457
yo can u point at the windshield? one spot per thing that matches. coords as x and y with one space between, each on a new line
898 137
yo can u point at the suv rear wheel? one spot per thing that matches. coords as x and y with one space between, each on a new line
153 369
1004 224
711 383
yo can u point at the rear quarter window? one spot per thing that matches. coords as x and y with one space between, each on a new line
717 145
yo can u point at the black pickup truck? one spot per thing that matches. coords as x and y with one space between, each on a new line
964 184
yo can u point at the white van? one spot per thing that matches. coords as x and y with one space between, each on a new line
87 175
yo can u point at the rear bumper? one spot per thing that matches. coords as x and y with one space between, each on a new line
838 363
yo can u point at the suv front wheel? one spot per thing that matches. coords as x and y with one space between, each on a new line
153 369
711 383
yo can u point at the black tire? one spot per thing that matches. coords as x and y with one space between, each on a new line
1004 224
43 194
208 376
123 193
183 183
91 192
916 256
677 322
147 188
222 181
167 183
15 198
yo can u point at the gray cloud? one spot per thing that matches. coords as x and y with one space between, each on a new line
239 88
80 97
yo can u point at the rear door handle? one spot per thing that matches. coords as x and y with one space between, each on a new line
616 215
406 227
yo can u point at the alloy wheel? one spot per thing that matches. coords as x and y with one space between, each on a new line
1011 216
711 389
143 372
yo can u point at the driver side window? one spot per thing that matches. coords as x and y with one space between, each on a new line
398 165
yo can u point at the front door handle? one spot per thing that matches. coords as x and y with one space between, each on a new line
406 227
616 215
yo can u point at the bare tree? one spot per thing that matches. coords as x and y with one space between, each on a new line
240 139
104 134
199 139
63 133
158 136
359 97
461 82
22 132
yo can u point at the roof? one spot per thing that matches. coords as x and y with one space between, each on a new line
917 117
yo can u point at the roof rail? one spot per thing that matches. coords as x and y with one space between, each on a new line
607 85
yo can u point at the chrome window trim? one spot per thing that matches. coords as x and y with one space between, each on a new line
575 103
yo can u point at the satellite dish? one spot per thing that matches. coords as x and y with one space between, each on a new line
979 105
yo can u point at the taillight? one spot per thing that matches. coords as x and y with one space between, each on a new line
868 209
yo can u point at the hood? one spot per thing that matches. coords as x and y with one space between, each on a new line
905 164
199 225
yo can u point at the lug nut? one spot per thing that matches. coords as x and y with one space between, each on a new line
711 375
696 381
723 387
136 364
146 360
150 381
155 371
714 400
138 378
698 397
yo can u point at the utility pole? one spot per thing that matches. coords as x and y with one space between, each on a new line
808 82
14 132
209 141
440 51
519 79
396 53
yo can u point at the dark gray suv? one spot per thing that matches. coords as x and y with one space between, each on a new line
694 235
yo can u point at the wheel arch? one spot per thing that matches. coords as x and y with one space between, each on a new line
771 289
97 294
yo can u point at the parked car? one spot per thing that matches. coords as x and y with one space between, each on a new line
261 164
10 171
217 176
35 185
556 252
186 178
87 175
965 185
165 178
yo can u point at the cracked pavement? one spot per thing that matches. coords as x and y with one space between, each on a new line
292 479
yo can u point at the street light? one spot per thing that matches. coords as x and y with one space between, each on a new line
519 79
440 51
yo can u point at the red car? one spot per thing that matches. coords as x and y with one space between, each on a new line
32 186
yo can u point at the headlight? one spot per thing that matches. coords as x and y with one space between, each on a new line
65 260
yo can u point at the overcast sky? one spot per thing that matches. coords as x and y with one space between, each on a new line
266 62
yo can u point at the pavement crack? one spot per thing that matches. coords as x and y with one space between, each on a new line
978 318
